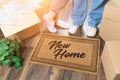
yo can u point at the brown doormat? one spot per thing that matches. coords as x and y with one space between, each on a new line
73 53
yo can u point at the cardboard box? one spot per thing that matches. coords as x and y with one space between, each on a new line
29 32
110 30
110 25
112 11
117 1
111 60
26 30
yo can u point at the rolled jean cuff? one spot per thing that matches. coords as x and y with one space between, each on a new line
78 21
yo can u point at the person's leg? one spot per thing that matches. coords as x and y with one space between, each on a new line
58 5
55 7
78 14
95 17
96 12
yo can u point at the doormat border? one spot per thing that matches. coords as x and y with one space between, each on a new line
93 69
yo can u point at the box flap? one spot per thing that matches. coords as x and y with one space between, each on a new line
31 19
109 30
114 49
112 11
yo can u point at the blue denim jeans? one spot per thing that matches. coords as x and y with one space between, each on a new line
79 12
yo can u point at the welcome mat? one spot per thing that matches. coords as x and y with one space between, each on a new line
73 53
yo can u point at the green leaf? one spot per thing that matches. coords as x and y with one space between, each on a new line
12 44
18 65
2 58
3 46
2 51
16 59
6 62
5 53
4 41
11 50
17 47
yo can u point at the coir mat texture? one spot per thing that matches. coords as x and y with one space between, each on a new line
66 52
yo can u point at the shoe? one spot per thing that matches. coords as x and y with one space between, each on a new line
50 24
89 31
73 29
63 24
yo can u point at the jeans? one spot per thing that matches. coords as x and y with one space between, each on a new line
79 11
96 12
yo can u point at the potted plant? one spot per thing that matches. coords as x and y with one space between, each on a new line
10 53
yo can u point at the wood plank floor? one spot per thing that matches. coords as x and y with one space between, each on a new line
42 72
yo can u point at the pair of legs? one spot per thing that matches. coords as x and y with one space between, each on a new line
79 11
95 17
55 7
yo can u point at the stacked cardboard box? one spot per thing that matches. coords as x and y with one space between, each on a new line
24 31
110 33
110 59
117 1
110 26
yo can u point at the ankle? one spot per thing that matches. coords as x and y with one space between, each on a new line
51 15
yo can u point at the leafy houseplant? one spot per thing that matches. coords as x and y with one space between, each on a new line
9 53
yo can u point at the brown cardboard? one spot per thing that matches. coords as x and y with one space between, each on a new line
110 30
47 51
112 11
31 19
111 60
110 25
118 1
29 32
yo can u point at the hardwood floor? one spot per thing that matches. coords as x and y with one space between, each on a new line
42 72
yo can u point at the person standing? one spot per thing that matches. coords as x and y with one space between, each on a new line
79 11
78 15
